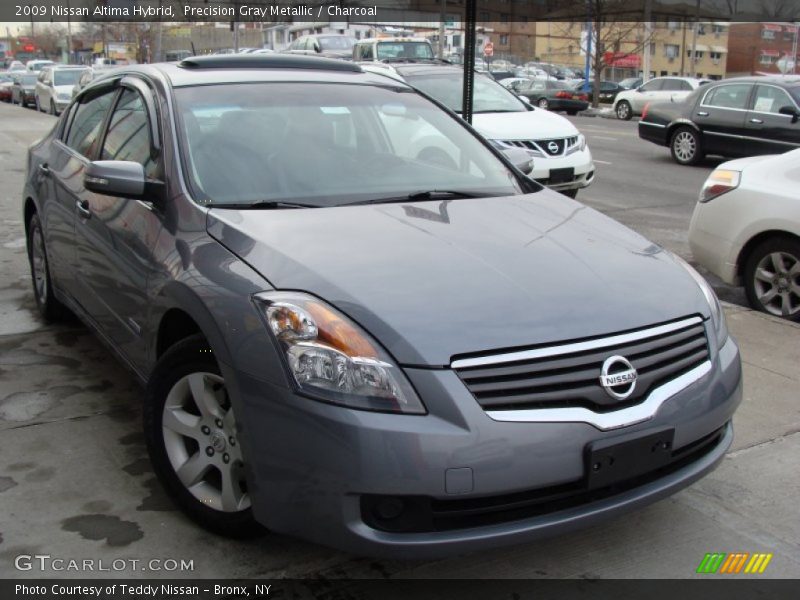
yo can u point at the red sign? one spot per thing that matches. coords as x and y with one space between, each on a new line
622 60
488 49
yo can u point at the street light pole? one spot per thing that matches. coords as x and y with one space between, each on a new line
442 17
69 37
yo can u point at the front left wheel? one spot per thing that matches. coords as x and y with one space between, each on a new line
193 441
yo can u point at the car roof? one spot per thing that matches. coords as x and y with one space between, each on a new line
253 68
425 68
784 80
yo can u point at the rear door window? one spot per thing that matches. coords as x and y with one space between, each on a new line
87 123
734 95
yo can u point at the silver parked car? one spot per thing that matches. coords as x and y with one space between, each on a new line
343 341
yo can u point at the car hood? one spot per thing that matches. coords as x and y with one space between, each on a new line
536 124
432 280
64 89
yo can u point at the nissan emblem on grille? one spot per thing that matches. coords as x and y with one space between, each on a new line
553 147
618 377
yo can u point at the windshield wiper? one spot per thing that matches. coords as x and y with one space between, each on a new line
423 195
261 204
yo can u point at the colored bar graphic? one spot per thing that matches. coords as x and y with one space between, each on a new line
734 563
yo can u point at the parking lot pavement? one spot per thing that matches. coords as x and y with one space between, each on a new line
75 482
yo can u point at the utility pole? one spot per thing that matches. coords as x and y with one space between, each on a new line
442 18
648 37
69 38
587 69
795 48
159 32
694 39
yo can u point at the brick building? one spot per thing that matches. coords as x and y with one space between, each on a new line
761 48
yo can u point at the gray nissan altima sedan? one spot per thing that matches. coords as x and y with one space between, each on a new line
357 322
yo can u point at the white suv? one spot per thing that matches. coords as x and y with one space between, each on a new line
561 159
632 102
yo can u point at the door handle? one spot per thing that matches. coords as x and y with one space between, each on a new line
44 169
83 208
702 113
756 121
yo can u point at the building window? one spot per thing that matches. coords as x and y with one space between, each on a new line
504 40
671 50
715 56
717 29
698 54
766 59
504 17
484 16
768 34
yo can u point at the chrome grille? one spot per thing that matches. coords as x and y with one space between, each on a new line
568 375
550 147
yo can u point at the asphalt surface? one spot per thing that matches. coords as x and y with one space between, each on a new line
640 185
75 482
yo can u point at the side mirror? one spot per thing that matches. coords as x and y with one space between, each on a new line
790 111
520 159
115 178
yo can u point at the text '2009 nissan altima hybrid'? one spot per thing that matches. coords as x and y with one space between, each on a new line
349 344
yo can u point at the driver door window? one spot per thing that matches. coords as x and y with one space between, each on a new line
128 136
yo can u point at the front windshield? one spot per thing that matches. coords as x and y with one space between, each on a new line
404 50
488 96
336 43
328 145
67 77
29 79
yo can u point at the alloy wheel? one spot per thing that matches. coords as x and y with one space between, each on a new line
777 283
543 103
199 430
39 263
685 146
623 111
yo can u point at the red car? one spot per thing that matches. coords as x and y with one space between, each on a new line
5 87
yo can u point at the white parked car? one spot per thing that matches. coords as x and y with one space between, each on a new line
37 65
561 157
54 87
632 102
746 230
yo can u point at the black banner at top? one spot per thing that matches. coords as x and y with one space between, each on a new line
395 11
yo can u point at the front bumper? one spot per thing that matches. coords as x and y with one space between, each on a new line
312 464
708 239
581 161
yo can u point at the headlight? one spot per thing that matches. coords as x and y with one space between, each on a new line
721 181
717 315
331 358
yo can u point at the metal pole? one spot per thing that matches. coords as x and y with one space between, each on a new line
470 12
794 48
694 40
648 39
442 18
587 69
69 38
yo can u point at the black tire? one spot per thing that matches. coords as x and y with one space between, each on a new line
543 103
570 193
50 308
757 284
189 356
624 110
686 146
572 113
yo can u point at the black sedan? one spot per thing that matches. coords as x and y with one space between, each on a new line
745 116
608 91
552 95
